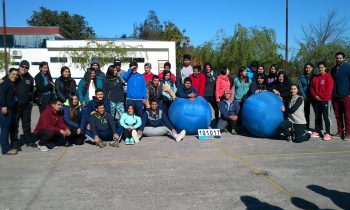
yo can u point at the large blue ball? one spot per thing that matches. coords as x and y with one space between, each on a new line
190 116
261 114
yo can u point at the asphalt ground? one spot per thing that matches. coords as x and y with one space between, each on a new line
234 172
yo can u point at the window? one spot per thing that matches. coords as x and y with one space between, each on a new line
58 59
35 63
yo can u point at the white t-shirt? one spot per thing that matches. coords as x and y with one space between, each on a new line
186 72
92 89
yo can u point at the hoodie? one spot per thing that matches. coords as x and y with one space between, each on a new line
198 82
136 85
222 83
102 123
322 86
51 121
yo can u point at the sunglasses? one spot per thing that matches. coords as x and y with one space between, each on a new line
25 67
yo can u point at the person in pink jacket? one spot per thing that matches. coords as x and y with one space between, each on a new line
198 79
223 82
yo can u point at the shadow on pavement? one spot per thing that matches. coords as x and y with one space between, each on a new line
255 204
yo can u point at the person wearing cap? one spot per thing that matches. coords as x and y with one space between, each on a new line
229 110
117 65
23 110
167 66
148 75
94 64
136 91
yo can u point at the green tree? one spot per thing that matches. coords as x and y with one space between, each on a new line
74 25
105 51
150 29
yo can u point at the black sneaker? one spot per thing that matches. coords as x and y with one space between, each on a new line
51 146
31 144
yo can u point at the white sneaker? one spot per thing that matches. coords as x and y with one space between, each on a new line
43 148
180 136
88 138
135 136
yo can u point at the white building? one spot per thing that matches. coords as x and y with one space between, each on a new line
50 44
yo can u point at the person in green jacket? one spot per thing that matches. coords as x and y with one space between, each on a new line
130 122
241 85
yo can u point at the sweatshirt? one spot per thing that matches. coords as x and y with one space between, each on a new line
322 86
157 119
198 82
241 88
127 120
101 123
182 92
228 108
222 83
341 77
51 121
136 85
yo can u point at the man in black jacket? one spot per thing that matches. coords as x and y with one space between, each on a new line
23 110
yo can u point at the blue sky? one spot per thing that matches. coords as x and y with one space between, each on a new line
201 19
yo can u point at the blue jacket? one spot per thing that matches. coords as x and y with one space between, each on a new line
127 120
70 122
304 85
85 97
226 108
250 72
155 120
91 107
136 87
240 88
183 93
341 76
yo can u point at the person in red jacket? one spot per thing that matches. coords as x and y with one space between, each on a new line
321 89
51 129
198 80
148 75
167 66
223 82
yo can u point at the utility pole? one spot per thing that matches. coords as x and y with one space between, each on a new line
4 24
286 65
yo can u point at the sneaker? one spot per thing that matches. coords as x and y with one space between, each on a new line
12 152
102 144
31 144
315 135
346 138
135 136
51 146
289 138
114 144
88 139
233 132
43 148
132 141
337 136
180 136
326 137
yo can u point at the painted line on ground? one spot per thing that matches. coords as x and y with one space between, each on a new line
270 180
299 154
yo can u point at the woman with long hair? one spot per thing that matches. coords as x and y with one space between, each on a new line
166 98
44 86
87 87
281 86
65 85
241 85
73 118
130 122
272 75
293 127
223 82
113 90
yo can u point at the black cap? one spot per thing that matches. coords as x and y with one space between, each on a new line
133 63
117 62
24 63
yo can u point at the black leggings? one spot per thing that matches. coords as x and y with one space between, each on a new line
322 109
288 128
74 138
46 137
127 133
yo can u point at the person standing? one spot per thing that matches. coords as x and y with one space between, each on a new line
241 85
321 88
209 91
184 71
94 64
136 91
304 86
44 86
148 75
167 67
341 95
87 87
65 85
223 82
198 80
23 110
8 101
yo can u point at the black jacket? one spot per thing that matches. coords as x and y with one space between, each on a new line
113 89
25 88
8 94
41 88
210 84
63 93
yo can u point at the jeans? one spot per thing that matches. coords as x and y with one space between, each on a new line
105 135
222 124
5 124
341 108
23 113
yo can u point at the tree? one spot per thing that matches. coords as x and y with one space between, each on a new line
151 28
74 25
104 51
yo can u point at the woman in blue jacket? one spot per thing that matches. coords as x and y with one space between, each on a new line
87 87
304 87
73 118
241 85
130 122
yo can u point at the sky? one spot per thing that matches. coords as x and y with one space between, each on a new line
202 19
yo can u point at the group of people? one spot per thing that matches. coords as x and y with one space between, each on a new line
107 107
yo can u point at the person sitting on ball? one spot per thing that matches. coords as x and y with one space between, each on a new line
187 90
229 110
156 123
296 122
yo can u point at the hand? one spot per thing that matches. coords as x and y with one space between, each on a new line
97 139
139 132
115 136
283 108
233 117
78 131
276 92
191 99
63 132
83 104
88 127
133 67
144 101
318 98
131 127
68 133
4 110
